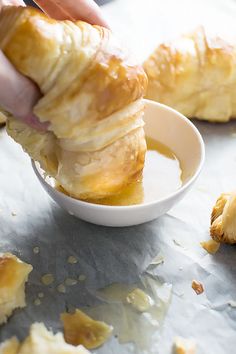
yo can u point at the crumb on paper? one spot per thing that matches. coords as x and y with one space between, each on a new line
79 328
13 213
210 246
232 303
197 287
184 346
82 277
41 295
180 268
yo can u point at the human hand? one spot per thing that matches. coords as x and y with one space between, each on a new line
20 94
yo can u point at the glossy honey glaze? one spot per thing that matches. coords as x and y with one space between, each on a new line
161 176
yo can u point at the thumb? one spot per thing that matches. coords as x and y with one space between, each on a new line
18 94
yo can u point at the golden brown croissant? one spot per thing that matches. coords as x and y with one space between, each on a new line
196 75
223 219
92 98
13 276
42 341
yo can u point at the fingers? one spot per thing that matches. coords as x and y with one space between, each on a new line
19 94
11 3
85 10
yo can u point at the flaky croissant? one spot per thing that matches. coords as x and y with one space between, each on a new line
91 96
223 219
196 75
40 341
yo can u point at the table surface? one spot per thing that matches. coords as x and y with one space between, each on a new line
107 255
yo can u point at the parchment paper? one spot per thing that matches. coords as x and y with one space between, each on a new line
107 255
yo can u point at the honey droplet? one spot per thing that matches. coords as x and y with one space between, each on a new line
70 282
36 250
37 302
139 300
61 288
72 260
47 279
82 277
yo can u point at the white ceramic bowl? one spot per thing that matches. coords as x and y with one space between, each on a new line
170 128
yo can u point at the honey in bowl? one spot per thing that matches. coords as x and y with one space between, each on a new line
162 175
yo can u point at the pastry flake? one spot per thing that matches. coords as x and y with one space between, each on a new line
91 97
184 346
223 219
13 276
81 329
197 287
194 74
210 246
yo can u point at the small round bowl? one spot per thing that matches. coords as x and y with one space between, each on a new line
168 127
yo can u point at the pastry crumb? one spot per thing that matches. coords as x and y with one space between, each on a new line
13 213
82 329
184 346
197 287
210 246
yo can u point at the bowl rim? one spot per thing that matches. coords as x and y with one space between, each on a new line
145 205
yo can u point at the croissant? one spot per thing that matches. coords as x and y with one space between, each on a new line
40 341
13 276
196 75
91 97
223 219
